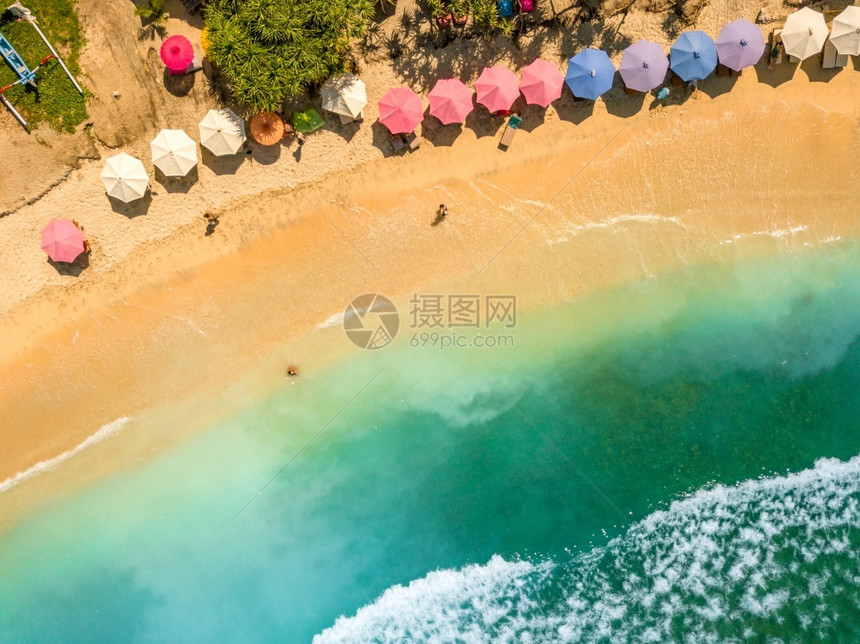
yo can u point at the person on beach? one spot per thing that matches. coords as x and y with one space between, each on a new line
774 54
292 371
443 210
211 222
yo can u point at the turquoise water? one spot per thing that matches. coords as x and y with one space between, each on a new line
672 460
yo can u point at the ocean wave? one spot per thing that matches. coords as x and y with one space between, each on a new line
778 555
106 431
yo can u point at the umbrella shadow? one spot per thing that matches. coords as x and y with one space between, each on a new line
346 131
816 73
222 165
264 154
575 110
715 86
484 124
781 73
177 184
533 117
72 269
620 103
178 84
382 139
132 209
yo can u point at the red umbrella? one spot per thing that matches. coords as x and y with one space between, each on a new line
541 83
62 240
400 110
450 100
497 88
177 53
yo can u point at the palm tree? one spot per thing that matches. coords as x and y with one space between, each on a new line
268 50
153 11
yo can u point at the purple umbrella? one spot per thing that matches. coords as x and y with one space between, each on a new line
740 44
643 65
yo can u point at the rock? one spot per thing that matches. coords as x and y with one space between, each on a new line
763 18
689 10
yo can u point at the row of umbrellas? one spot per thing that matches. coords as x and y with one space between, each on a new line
644 64
222 132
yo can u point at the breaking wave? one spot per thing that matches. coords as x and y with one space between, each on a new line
777 556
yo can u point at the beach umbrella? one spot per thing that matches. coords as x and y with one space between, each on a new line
345 95
174 152
450 100
125 177
177 53
740 44
845 32
62 240
804 33
400 110
267 128
693 56
590 73
497 88
643 65
541 83
222 132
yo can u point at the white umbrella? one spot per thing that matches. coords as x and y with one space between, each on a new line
804 33
222 132
174 152
125 177
345 95
845 32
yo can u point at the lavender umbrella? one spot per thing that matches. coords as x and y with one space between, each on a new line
740 44
643 65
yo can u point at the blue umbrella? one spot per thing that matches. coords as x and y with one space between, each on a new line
693 56
590 74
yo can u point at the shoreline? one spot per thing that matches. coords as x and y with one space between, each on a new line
145 331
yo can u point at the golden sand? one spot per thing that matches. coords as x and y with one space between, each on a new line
574 206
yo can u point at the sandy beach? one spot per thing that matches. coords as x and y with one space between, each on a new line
587 197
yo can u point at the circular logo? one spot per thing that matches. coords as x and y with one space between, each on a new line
371 321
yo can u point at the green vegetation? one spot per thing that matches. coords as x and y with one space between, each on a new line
153 10
484 12
57 101
268 50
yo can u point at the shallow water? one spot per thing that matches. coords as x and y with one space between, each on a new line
577 485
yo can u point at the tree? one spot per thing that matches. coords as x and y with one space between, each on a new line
153 11
268 50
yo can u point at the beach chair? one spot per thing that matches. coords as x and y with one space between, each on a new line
774 39
398 142
830 58
413 141
195 66
510 130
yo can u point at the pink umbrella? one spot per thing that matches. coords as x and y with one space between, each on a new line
177 53
400 110
541 83
497 88
450 101
62 240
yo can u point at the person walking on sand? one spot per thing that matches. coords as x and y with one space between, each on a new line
443 210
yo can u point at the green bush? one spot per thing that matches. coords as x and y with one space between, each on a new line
268 50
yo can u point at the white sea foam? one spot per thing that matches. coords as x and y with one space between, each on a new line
334 320
106 431
612 222
718 565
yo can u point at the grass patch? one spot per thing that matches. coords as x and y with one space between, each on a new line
57 102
